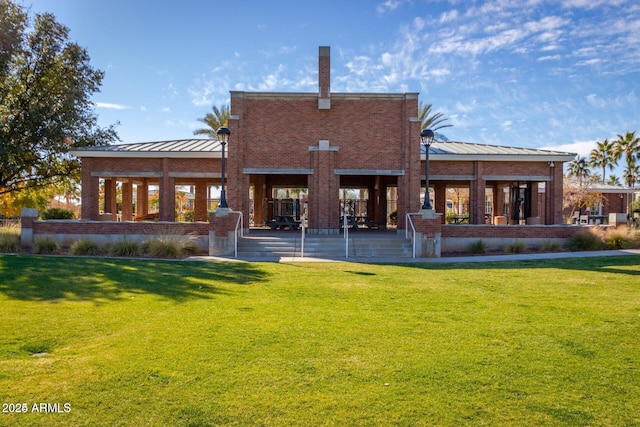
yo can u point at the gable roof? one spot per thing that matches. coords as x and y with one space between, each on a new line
187 148
451 150
211 148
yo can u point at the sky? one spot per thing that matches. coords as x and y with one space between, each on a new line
556 74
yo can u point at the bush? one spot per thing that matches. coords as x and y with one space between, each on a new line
551 246
516 247
585 240
57 213
9 239
477 248
85 247
621 238
46 245
160 248
125 248
169 243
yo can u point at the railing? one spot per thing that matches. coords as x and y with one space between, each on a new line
346 236
303 226
408 221
240 223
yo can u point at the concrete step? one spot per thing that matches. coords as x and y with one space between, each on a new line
324 247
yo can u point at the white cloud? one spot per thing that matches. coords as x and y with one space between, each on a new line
581 148
388 5
111 106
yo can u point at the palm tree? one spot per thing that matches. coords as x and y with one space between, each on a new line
613 180
214 121
604 156
629 145
578 168
429 120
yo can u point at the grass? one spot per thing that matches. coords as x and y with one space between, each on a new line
147 342
9 238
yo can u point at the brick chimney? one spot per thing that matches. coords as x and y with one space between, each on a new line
324 78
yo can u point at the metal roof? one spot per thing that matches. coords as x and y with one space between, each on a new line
452 150
174 148
211 148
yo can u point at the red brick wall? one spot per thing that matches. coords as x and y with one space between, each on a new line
507 231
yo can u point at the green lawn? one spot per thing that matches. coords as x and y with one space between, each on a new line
141 342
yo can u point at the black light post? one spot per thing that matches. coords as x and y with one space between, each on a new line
581 164
427 137
223 135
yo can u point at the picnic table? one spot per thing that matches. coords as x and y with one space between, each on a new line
283 221
355 222
460 219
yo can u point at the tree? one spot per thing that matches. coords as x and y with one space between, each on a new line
604 156
629 145
429 120
613 180
46 83
214 121
578 168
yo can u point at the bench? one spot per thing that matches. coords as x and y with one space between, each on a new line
282 222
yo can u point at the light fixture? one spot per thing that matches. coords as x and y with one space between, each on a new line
223 136
427 137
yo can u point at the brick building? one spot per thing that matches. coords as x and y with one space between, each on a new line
324 142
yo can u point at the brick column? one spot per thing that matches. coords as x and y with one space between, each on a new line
554 196
167 194
428 226
441 199
110 197
127 200
258 200
324 186
142 198
222 223
27 217
476 195
90 192
200 209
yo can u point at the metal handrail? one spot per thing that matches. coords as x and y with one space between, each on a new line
239 222
346 236
408 221
302 238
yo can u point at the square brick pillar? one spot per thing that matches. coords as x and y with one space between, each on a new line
222 225
110 205
200 210
27 217
428 226
142 198
324 186
90 192
127 200
167 194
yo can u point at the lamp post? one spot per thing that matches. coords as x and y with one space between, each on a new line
223 136
427 137
630 178
581 164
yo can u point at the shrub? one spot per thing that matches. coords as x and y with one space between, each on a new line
585 240
478 247
551 246
57 213
125 248
621 238
85 247
169 243
160 248
9 239
46 245
516 247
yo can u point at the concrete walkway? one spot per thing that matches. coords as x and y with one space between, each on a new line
460 259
